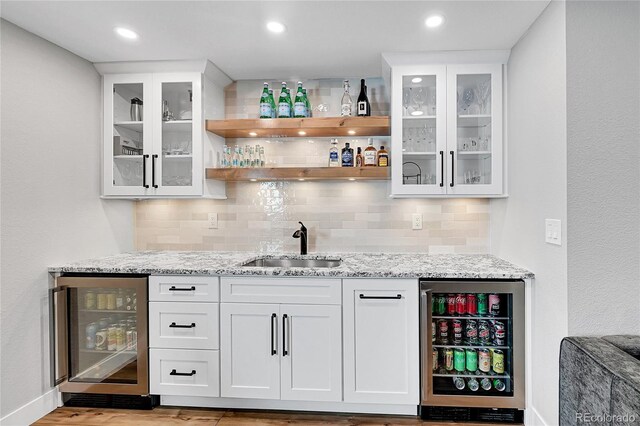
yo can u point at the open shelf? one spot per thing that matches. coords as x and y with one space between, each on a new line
299 173
476 153
136 126
128 157
479 120
418 117
301 127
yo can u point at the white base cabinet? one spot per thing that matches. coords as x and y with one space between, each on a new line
381 341
184 372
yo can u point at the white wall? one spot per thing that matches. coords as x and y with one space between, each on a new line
51 210
603 166
536 134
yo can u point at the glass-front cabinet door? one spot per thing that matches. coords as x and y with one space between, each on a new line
177 134
474 129
418 130
127 134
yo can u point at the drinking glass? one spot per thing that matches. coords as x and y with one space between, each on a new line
406 99
467 99
419 98
432 101
484 88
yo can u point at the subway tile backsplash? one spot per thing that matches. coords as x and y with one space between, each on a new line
341 215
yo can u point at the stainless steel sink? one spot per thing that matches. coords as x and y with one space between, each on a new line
283 262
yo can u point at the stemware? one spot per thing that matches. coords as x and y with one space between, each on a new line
406 99
432 101
419 97
467 99
484 88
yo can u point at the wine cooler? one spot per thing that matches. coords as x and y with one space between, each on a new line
472 349
99 335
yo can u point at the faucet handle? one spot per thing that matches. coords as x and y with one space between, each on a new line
296 234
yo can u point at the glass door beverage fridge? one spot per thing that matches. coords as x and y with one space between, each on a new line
99 336
472 348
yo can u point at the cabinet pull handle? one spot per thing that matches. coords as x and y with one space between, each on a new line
441 169
284 335
153 170
452 165
174 325
174 288
273 333
144 170
397 296
174 373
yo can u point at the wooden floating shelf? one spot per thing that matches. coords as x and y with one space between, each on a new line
300 127
299 173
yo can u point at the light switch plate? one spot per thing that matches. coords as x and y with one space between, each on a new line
553 231
213 220
416 221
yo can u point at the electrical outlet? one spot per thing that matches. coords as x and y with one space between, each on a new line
213 220
416 221
553 231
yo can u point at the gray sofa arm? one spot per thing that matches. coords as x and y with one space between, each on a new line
599 382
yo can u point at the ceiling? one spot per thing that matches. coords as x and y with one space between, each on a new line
324 39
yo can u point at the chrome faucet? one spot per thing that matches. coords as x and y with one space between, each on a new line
303 235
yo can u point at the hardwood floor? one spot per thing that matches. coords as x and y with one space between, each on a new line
205 416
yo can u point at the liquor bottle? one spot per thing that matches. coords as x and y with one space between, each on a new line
300 105
370 155
284 105
334 155
265 104
272 101
359 158
346 109
383 157
347 156
241 157
306 99
262 158
364 107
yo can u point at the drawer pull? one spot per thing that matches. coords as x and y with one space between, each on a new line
174 373
174 288
174 325
397 296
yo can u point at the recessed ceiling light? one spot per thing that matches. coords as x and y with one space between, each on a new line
276 27
352 179
434 21
417 112
126 33
352 132
416 80
253 134
253 180
301 180
302 133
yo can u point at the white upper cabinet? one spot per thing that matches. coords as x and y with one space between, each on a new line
447 130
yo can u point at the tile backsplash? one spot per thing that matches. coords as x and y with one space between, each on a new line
341 216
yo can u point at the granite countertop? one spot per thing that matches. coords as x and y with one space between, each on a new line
354 265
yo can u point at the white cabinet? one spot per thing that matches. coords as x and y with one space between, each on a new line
447 130
381 351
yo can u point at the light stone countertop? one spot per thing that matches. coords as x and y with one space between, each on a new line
354 265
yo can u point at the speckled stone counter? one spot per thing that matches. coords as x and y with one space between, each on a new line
354 265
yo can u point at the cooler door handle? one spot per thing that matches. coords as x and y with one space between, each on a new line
58 321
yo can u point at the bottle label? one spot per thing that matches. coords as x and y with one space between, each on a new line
383 161
284 110
265 110
300 109
369 158
362 108
347 159
346 110
333 156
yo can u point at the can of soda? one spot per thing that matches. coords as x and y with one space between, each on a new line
498 362
459 359
443 331
91 330
494 304
103 323
451 304
482 304
484 360
471 332
500 338
111 339
458 382
499 385
473 385
486 384
102 301
121 339
111 301
433 331
101 339
448 359
472 307
471 359
457 331
484 332
90 300
130 339
461 304
440 304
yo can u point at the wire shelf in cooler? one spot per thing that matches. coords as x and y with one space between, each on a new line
105 352
468 318
106 311
453 345
476 375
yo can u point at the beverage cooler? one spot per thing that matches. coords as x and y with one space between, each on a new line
99 336
472 349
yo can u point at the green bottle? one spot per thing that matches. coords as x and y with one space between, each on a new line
290 100
300 106
272 101
284 102
265 105
306 98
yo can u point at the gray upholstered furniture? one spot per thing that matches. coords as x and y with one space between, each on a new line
600 380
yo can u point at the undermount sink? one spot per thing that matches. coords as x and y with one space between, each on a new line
283 262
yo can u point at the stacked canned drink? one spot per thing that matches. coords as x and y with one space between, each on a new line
108 299
117 332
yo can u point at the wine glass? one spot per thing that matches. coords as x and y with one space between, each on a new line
406 99
467 99
432 101
484 88
419 98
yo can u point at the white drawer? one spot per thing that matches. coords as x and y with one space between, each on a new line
317 291
184 325
183 288
186 373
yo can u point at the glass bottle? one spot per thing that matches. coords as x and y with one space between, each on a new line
272 101
346 103
240 157
306 99
359 158
265 104
364 107
347 156
262 158
284 107
235 161
300 106
383 157
334 155
370 155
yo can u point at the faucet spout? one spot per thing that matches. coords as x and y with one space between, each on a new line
303 234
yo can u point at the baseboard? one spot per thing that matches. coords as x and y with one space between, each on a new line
267 404
533 418
32 411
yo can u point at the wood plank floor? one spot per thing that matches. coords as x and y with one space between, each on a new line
205 416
